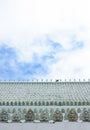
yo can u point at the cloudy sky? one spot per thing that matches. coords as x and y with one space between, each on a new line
44 39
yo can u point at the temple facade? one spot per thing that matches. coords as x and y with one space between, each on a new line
44 102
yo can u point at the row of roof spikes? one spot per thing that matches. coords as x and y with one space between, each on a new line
48 80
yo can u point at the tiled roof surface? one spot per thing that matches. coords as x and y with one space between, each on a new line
45 91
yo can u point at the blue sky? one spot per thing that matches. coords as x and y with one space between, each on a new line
47 39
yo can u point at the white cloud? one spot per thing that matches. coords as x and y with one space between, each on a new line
25 25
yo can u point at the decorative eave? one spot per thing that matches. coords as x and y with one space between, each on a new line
44 103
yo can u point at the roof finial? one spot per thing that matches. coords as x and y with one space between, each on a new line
74 80
83 80
60 80
46 80
41 80
79 80
65 80
51 80
88 80
37 80
69 80
57 80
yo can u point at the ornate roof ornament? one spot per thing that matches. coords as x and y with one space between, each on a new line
44 116
72 115
30 115
3 116
85 115
58 116
16 117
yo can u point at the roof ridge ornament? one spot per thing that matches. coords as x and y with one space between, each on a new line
48 80
88 80
69 80
84 80
57 80
79 80
65 80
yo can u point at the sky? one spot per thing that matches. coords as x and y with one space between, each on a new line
44 39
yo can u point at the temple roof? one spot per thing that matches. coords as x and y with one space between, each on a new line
45 91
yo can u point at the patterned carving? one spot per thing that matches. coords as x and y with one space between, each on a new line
58 116
44 116
85 116
72 115
30 115
3 116
16 117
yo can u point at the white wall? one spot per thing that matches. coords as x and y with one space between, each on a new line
46 126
